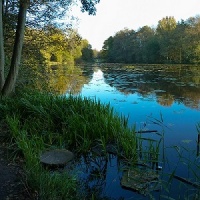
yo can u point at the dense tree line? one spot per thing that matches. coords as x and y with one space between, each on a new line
53 45
34 18
169 42
49 55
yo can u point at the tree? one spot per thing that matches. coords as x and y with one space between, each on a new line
2 55
15 61
123 46
170 42
166 24
192 49
87 52
165 29
46 11
179 43
152 50
119 48
106 52
62 46
144 35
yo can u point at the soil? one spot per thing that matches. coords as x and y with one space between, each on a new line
13 184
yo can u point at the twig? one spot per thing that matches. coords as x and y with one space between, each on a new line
149 131
187 181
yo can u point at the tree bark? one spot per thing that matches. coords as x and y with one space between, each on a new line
17 50
2 56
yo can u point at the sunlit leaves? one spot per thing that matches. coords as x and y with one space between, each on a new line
170 42
166 24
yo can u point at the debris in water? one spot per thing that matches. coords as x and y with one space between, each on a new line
141 180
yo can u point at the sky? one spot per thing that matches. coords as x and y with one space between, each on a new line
115 15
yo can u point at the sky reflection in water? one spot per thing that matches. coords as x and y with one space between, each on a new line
179 120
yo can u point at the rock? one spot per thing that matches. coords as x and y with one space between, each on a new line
142 181
56 157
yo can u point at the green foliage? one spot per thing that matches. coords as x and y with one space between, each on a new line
39 121
89 6
87 54
45 36
49 56
166 24
106 52
170 42
41 15
53 44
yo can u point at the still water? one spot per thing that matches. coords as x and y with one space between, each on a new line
142 94
162 98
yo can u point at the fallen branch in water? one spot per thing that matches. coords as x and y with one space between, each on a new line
196 185
148 131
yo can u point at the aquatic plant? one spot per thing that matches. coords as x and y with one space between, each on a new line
39 121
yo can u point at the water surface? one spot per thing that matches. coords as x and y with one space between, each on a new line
143 93
163 98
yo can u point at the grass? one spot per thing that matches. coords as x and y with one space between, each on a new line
35 121
39 121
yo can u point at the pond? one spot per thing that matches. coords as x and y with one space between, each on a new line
156 99
147 93
161 98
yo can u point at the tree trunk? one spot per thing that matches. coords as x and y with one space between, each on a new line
17 50
2 56
180 56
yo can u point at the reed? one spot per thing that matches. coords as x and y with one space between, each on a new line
40 121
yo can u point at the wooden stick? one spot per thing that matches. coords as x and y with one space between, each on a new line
150 131
187 181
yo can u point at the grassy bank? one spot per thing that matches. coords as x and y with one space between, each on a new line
35 122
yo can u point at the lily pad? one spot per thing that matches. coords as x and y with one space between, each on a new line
186 141
56 157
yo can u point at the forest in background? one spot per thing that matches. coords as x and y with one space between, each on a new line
170 42
46 51
46 39
37 34
48 43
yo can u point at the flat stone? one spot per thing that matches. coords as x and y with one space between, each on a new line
56 157
142 181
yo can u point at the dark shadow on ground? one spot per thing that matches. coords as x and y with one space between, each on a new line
12 179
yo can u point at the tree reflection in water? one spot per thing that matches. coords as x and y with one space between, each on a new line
168 83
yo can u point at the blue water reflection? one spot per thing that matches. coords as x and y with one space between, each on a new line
177 123
180 120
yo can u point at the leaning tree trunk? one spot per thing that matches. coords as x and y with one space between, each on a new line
2 57
17 50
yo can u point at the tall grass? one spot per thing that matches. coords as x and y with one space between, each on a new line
72 118
40 121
